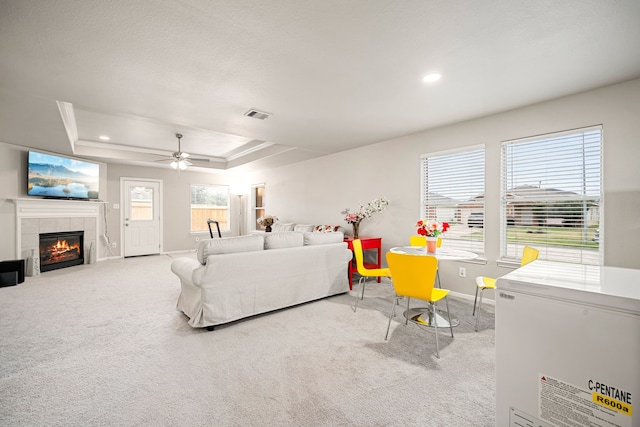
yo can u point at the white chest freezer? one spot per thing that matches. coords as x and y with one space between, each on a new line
568 346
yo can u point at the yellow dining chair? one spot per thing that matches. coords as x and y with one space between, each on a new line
363 271
422 241
528 254
413 276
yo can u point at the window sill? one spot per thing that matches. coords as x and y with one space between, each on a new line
508 264
206 233
479 261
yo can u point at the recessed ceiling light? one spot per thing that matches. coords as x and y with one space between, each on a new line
104 137
430 78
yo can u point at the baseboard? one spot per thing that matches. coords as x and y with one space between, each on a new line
189 251
471 298
460 295
109 257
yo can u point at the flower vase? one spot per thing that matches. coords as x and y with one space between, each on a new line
267 229
356 229
432 243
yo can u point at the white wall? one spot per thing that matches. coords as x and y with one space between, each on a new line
176 203
12 173
13 185
317 190
176 199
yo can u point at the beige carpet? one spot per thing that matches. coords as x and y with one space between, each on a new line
103 345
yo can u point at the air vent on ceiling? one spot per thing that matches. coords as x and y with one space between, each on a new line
261 115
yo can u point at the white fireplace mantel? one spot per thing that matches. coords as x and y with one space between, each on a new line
56 208
27 208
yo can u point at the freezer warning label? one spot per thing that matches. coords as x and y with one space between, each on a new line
611 397
565 405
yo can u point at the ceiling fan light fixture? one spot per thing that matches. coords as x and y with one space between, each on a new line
179 158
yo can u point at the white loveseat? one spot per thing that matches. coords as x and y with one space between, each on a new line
238 277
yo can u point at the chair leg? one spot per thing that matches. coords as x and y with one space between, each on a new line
474 302
360 291
446 300
397 302
392 314
479 307
406 320
435 326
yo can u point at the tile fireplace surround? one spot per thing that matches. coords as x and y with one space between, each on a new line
35 216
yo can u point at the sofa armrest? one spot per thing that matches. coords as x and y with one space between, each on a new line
184 268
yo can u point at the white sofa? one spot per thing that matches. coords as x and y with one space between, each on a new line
238 277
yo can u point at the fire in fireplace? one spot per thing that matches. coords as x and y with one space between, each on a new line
59 250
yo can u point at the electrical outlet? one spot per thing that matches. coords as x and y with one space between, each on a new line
462 272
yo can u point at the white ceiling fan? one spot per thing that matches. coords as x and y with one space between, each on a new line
180 160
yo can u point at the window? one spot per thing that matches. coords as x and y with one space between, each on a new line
551 196
453 191
141 200
258 206
209 202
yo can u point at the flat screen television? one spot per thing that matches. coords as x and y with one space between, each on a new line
62 177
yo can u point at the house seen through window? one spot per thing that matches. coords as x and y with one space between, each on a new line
551 196
452 190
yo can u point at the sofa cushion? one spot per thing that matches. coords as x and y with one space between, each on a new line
280 227
287 239
303 227
311 239
228 245
326 228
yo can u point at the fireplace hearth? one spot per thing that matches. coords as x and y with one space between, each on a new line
60 250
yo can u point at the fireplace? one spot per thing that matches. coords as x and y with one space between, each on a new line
60 250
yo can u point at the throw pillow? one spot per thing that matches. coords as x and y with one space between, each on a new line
279 227
326 228
303 227
311 239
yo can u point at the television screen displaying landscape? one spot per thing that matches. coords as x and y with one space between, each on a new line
57 176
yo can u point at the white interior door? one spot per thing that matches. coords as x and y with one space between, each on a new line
141 217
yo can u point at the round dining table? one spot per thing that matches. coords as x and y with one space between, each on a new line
443 254
421 315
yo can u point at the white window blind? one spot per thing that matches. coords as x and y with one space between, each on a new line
551 196
453 191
